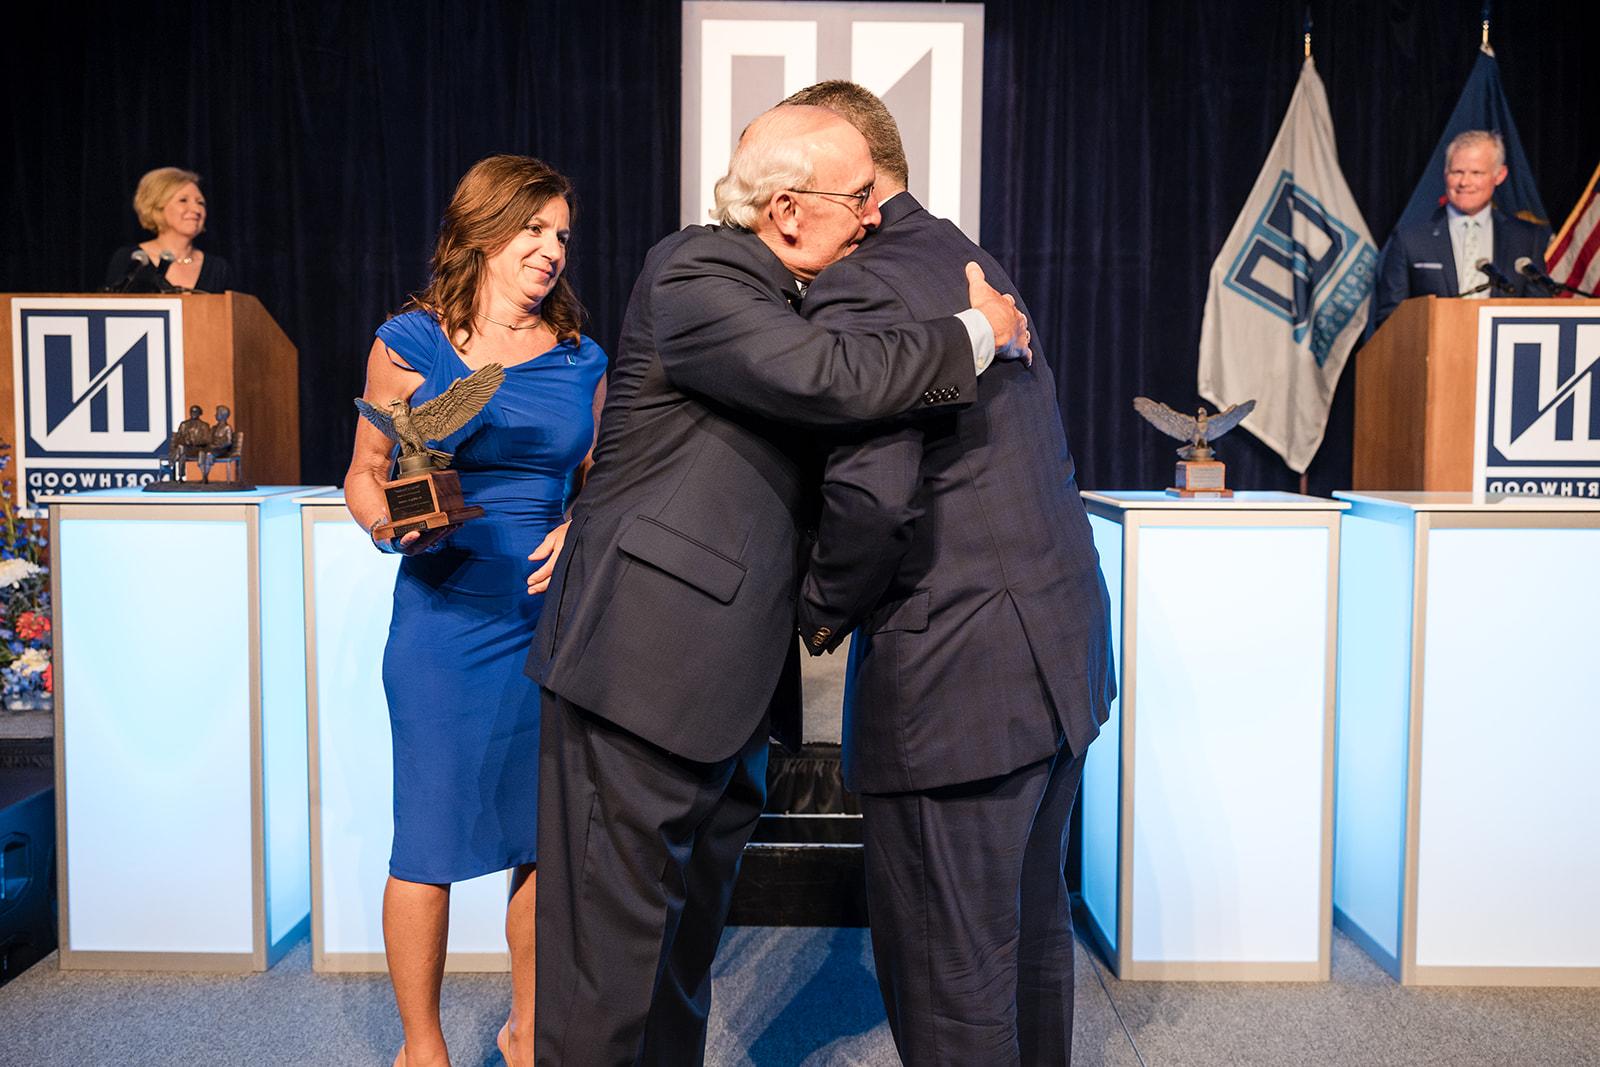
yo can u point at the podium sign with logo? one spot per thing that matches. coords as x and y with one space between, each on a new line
99 382
98 389
1538 407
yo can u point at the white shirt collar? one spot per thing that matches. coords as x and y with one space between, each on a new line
1455 215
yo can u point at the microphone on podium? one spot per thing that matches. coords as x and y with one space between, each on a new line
146 275
137 262
1496 276
1526 268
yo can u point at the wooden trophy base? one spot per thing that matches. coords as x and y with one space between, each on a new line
426 501
1201 479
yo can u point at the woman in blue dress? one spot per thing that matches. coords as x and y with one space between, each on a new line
465 719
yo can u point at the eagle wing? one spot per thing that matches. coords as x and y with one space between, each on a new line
1170 422
455 407
1223 421
378 417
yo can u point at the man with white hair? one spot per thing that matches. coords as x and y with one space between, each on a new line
667 648
1440 257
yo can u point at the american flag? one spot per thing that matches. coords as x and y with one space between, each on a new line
1574 255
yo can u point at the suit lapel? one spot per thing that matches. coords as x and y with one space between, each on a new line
1443 253
1502 243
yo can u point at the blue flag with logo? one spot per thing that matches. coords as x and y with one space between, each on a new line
1482 106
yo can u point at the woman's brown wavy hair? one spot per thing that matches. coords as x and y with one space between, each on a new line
492 202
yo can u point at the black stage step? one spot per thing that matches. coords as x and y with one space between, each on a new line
27 868
803 864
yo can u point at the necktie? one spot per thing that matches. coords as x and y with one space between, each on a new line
1471 252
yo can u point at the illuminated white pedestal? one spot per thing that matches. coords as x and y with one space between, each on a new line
180 729
1468 829
1208 797
349 599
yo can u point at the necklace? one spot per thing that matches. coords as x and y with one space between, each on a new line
185 260
534 325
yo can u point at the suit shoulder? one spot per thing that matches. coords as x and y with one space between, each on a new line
1525 226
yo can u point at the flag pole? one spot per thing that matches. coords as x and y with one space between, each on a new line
1306 39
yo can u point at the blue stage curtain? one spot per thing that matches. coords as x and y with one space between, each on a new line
1121 143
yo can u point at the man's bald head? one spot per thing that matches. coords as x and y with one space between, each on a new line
801 180
784 148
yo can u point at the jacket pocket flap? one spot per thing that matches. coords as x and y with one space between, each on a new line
910 615
682 557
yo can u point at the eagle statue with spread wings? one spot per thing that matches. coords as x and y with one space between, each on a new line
435 419
1199 430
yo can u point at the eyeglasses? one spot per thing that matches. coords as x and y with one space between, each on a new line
859 198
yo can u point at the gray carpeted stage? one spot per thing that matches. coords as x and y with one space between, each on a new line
789 996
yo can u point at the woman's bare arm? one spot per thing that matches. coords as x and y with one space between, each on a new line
387 379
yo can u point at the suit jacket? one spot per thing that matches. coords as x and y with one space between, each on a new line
959 544
1419 261
671 611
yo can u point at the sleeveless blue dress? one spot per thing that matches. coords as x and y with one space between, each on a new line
465 719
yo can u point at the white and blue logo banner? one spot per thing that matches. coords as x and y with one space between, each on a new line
1538 413
1289 290
99 391
741 57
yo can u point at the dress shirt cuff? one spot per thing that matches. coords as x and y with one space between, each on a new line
982 338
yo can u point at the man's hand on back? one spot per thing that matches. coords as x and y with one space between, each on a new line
1010 326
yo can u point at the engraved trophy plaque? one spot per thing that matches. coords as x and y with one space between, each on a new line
426 494
1199 473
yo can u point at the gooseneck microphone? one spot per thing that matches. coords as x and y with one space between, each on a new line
1496 276
146 275
1526 268
137 263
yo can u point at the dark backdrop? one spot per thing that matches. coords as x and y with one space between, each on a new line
1122 140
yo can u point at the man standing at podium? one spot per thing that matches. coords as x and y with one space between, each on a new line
1440 257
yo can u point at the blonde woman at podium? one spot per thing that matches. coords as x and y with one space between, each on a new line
170 205
463 716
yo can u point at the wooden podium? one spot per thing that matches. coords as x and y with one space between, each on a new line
233 354
1416 395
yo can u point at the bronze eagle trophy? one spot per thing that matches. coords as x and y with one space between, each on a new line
1200 473
426 495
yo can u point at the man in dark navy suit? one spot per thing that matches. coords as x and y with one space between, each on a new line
1439 257
666 648
981 668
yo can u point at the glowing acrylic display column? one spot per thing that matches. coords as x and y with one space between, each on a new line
1208 797
1468 841
180 729
349 598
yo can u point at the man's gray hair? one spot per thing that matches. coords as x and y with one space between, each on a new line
761 166
1467 138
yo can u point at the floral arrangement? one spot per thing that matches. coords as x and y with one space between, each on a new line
26 677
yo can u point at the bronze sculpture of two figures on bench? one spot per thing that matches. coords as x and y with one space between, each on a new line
206 445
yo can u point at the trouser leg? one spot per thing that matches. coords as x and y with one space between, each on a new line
944 870
1045 947
675 1033
620 825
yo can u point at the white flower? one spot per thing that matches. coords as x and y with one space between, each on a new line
13 571
32 661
